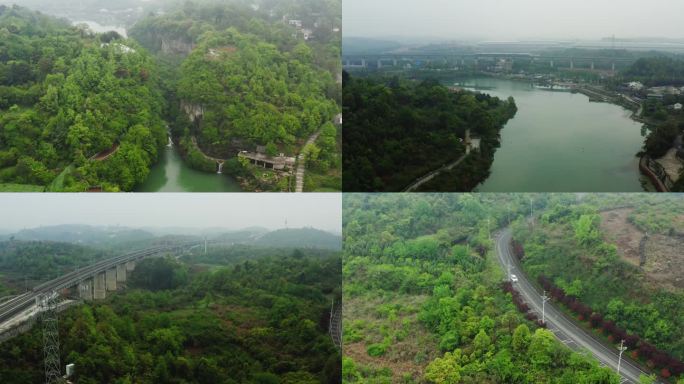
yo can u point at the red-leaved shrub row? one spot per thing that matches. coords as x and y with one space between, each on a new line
640 348
518 250
507 286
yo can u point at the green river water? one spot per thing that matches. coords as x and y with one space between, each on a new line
171 174
559 141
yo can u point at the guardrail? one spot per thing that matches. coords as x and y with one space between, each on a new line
656 173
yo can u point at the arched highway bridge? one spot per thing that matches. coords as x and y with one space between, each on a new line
90 283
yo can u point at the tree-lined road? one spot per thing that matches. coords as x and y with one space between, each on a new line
563 327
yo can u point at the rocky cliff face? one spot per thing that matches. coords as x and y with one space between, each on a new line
194 111
176 46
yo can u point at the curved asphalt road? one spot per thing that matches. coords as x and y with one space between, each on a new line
565 329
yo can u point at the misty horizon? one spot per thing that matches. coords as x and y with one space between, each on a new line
197 211
522 20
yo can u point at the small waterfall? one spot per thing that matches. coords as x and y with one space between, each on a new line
220 167
170 143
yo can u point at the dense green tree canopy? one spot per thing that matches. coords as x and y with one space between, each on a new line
68 95
250 90
263 320
396 131
426 296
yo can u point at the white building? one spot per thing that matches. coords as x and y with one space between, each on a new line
307 33
635 86
677 107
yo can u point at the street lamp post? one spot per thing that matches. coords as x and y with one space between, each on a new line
621 348
544 300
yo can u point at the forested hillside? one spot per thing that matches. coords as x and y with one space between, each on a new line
263 320
37 261
397 131
77 111
424 301
618 261
654 71
252 76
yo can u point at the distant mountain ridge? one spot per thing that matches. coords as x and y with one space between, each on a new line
113 235
301 238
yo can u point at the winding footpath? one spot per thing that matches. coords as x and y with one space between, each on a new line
565 329
424 179
301 162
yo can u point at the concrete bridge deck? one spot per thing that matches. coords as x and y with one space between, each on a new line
89 283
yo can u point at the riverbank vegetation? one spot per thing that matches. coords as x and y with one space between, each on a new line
398 130
612 262
82 111
77 110
260 320
253 78
424 301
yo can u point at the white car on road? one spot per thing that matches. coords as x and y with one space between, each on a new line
514 278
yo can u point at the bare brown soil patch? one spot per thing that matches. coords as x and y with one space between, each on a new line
625 235
405 357
664 266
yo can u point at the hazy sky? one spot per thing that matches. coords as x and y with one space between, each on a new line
513 19
198 210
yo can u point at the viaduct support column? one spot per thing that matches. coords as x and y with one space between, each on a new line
121 273
111 279
85 289
100 287
130 266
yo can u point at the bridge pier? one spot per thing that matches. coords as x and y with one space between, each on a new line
111 279
613 66
121 273
551 63
130 266
572 64
592 65
85 289
363 63
100 287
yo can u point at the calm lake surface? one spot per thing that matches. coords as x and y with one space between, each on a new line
171 174
559 141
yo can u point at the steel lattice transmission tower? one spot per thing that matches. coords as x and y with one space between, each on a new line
48 309
335 325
